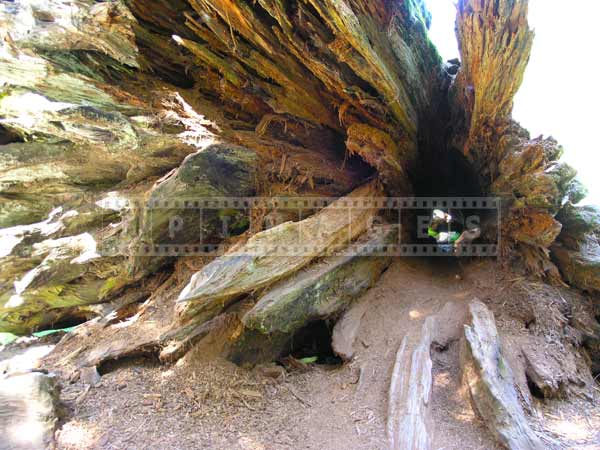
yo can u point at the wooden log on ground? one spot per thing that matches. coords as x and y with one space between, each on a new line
321 290
160 323
269 256
490 382
410 392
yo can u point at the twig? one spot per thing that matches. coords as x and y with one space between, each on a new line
246 404
306 402
133 433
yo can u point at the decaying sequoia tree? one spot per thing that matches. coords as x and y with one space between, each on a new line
101 100
104 103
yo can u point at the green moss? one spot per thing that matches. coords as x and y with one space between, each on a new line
108 286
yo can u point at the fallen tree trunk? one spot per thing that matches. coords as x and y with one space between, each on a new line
173 327
92 267
305 98
320 291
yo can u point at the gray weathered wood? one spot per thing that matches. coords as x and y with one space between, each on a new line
410 393
28 411
490 382
346 330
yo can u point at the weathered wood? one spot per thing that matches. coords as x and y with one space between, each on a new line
410 392
55 269
578 222
490 383
29 410
169 216
316 65
580 267
322 290
488 78
409 412
577 251
327 94
346 329
524 172
389 158
269 256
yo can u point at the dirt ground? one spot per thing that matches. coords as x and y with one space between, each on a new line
200 404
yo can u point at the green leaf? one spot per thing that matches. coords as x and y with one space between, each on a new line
309 360
47 332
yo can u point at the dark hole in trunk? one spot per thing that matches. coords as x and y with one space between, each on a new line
445 174
314 340
444 180
534 388
68 322
137 362
8 137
